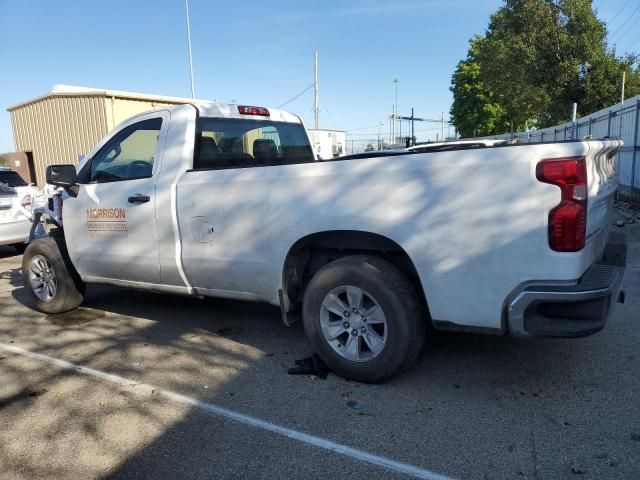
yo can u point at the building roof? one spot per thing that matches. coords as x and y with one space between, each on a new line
75 91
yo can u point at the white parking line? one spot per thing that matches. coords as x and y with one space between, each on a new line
255 422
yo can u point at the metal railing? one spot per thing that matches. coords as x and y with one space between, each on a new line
621 120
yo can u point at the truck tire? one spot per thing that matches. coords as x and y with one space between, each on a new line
363 318
50 279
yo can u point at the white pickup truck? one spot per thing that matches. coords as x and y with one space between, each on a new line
230 201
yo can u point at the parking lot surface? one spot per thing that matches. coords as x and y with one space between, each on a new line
474 407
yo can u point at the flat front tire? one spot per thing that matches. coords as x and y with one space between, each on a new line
49 278
363 318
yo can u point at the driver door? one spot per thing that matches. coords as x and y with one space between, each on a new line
111 225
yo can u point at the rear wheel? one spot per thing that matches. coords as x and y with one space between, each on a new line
49 277
363 318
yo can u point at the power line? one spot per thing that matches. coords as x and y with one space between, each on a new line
619 11
298 95
628 29
372 134
329 113
625 22
363 128
634 39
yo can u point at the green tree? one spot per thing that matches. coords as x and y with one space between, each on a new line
474 111
538 57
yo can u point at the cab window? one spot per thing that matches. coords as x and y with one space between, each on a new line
128 155
231 143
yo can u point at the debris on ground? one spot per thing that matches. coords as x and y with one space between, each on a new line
227 331
79 316
577 469
356 405
310 366
37 393
628 210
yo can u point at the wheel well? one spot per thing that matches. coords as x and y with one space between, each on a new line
311 253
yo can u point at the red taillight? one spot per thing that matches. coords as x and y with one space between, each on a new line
568 220
244 110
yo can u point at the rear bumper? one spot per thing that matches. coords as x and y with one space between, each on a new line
571 310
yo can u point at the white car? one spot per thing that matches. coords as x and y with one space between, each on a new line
15 216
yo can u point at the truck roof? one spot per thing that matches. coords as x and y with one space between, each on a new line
230 110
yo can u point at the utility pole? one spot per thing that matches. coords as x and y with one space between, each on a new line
412 128
193 94
442 129
412 119
624 72
395 111
392 126
315 89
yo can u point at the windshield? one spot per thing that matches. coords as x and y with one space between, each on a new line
12 179
6 189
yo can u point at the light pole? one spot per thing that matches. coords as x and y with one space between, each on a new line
315 89
186 5
395 111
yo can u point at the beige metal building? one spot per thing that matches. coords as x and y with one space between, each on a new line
69 121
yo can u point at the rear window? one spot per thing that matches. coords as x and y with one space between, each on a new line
12 179
230 143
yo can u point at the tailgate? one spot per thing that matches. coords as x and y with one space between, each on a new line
602 177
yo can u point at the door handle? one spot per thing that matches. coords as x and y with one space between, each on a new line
138 198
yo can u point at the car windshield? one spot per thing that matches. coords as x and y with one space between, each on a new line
6 189
12 179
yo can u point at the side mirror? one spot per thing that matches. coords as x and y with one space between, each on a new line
61 175
64 176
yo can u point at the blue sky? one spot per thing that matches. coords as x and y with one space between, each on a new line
258 53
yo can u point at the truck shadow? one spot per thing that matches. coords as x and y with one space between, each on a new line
467 393
8 252
241 351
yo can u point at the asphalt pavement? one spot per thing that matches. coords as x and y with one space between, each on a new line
175 384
